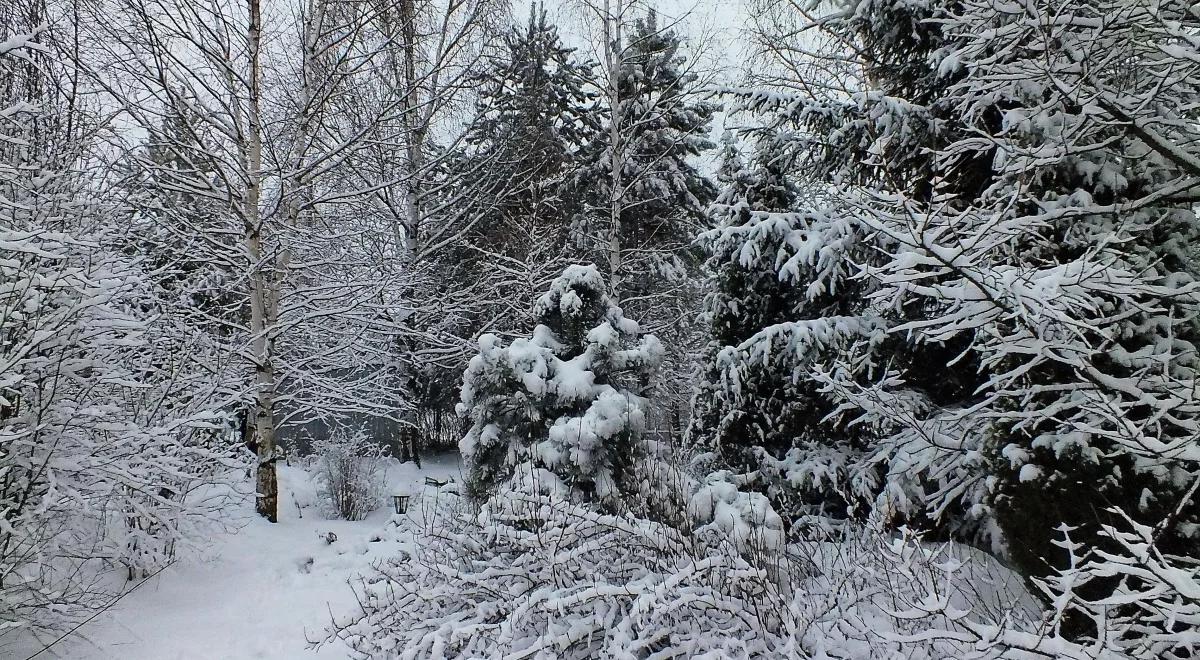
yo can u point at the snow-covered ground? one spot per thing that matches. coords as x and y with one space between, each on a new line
259 592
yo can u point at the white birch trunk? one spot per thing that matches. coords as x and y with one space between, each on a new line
414 134
264 298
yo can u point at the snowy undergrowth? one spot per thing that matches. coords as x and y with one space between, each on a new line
536 576
261 590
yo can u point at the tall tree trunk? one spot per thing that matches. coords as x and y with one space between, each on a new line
414 126
613 57
263 304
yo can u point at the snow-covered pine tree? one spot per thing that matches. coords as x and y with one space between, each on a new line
560 408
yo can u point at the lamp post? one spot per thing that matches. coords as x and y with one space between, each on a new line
401 503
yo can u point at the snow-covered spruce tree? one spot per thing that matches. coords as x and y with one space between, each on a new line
534 115
730 161
754 403
520 169
1073 276
662 127
789 304
1024 178
561 407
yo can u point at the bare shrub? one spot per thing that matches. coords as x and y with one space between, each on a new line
351 475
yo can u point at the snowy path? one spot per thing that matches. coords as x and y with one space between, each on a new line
254 597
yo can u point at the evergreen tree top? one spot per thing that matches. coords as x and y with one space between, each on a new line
653 83
534 97
576 304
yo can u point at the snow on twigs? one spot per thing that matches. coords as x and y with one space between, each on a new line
537 576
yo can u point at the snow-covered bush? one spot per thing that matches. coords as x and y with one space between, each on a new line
565 400
350 472
540 576
537 576
745 519
1153 612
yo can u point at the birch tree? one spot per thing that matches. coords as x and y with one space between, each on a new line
319 340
